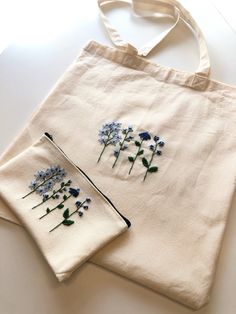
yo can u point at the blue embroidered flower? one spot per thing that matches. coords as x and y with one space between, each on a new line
154 148
40 175
55 194
109 134
80 207
33 185
74 192
116 152
123 145
145 136
78 203
46 179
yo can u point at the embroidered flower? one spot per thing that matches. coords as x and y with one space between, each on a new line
80 207
161 144
109 134
123 145
144 136
74 192
33 185
78 203
55 194
155 151
46 179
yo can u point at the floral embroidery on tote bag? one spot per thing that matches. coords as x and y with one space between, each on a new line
45 181
112 133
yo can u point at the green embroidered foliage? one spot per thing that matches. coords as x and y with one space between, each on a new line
65 197
131 159
66 213
62 184
60 206
67 222
140 152
145 162
48 210
137 143
153 169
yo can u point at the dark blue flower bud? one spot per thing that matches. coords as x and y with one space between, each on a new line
161 144
74 192
145 136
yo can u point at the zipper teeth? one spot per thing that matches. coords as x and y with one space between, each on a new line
50 138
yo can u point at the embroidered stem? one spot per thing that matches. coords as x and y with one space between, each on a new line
150 162
40 185
51 210
55 192
137 154
68 216
121 146
108 141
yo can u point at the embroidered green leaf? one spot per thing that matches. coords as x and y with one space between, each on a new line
137 143
66 213
60 206
64 189
62 184
54 191
48 210
153 169
140 152
131 159
67 222
64 197
53 197
145 162
60 191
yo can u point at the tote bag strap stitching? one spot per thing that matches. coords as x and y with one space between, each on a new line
164 7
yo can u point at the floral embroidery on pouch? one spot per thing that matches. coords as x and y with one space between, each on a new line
80 208
45 181
109 134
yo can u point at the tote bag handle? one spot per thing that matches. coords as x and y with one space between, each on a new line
155 8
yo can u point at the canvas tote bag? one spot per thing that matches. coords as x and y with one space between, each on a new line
160 143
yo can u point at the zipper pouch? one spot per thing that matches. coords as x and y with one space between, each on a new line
67 215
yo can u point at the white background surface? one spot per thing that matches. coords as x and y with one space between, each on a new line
44 39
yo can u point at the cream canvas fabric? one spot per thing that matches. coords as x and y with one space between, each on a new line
179 212
66 214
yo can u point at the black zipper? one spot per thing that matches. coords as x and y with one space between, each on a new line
124 218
